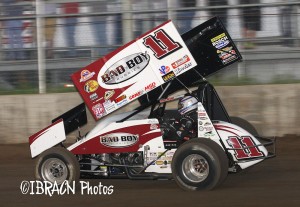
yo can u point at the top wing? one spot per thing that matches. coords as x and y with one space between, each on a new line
133 70
211 47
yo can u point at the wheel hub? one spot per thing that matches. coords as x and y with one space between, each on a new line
54 170
195 168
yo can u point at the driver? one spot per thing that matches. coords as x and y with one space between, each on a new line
187 107
183 127
187 124
187 104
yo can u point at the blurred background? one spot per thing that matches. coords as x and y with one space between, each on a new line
42 42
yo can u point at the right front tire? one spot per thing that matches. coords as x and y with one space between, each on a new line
199 164
244 124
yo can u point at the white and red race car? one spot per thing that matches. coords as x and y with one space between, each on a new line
196 143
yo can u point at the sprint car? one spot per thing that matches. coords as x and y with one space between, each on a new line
180 130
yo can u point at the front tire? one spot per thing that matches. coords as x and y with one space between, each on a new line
57 165
244 124
199 164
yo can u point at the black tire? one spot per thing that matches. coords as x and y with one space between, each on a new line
214 165
57 164
244 124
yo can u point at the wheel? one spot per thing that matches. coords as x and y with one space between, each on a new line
199 164
244 124
57 165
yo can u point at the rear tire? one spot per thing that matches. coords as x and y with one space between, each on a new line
57 164
199 164
244 124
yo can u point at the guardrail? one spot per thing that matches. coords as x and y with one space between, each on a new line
270 108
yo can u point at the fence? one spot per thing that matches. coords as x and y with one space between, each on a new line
77 34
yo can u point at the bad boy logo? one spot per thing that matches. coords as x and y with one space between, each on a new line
125 68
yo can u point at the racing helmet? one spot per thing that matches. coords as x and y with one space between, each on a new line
186 104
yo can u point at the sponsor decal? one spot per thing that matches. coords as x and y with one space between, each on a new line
181 61
207 124
203 118
201 114
227 50
97 100
125 68
109 106
120 98
227 56
201 128
220 41
150 87
93 96
164 70
170 144
170 154
182 68
86 75
135 95
229 59
91 86
153 126
167 99
122 103
200 122
98 110
119 140
153 154
159 162
208 129
152 121
209 134
108 94
168 76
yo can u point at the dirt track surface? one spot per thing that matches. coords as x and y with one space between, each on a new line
274 182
